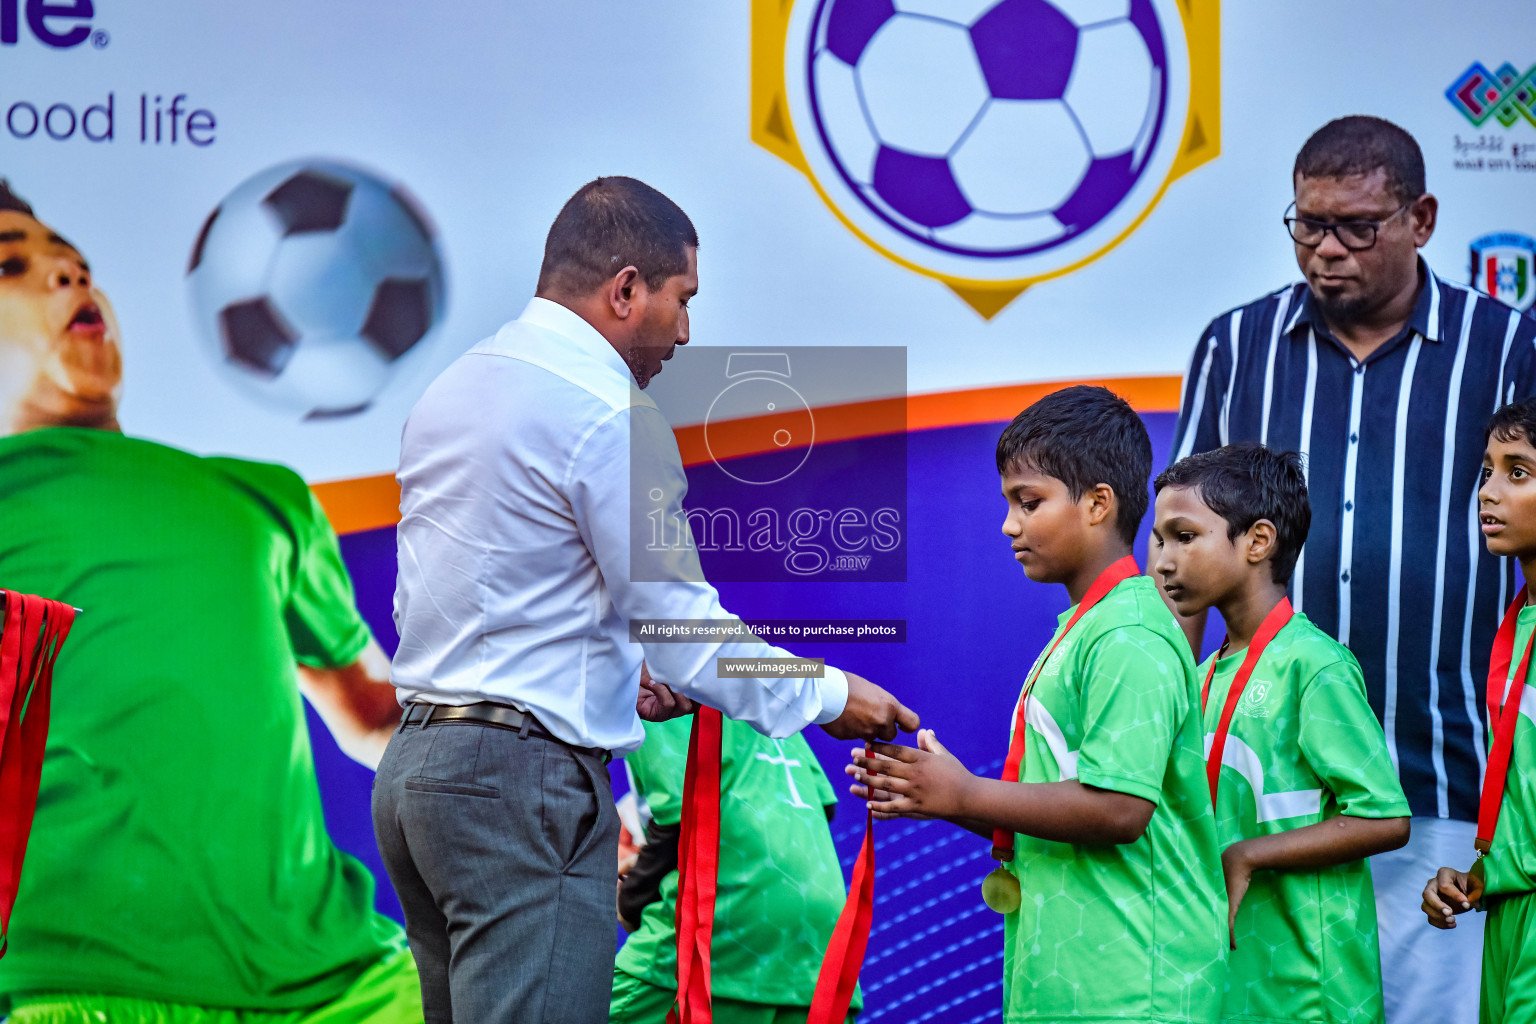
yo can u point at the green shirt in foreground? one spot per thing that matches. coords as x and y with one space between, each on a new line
1510 866
1133 932
1304 746
179 852
780 888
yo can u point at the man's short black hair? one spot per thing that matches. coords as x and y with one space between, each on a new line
1513 422
1360 144
11 201
1244 483
1084 436
612 223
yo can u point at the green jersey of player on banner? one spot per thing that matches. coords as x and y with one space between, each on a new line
179 852
1303 747
780 888
1132 932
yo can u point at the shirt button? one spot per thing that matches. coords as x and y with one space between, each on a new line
1349 506
1344 576
1354 438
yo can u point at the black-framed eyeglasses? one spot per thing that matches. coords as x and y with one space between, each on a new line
1354 235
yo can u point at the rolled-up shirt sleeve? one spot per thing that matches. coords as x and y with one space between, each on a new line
620 466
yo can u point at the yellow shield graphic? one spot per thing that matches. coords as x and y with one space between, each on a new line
988 144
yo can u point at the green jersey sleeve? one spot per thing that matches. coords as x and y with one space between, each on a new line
1133 701
1343 744
319 609
659 766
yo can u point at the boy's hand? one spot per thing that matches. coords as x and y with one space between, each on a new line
901 782
1238 873
1452 892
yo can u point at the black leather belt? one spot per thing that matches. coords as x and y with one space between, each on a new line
490 714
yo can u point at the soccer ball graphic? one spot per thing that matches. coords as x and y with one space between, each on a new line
310 281
988 128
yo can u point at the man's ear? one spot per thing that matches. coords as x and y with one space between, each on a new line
1262 542
1423 214
1101 500
622 292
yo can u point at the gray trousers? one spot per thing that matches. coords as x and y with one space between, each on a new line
503 850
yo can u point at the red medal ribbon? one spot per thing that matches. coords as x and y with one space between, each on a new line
1275 621
1502 717
1109 579
698 869
34 630
845 952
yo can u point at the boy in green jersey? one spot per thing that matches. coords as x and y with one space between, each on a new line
1118 912
179 870
780 888
1503 878
1306 789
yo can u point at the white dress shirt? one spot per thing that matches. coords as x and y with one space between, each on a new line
514 543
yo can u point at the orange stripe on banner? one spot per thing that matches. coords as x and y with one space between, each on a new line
373 502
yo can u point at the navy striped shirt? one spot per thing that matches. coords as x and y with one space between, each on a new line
1394 566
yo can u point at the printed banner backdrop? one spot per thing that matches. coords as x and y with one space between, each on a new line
298 214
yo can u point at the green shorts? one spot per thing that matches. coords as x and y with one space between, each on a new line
389 992
1509 960
640 1002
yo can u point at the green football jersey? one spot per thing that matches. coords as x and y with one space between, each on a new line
179 852
1133 932
1511 864
780 888
1303 747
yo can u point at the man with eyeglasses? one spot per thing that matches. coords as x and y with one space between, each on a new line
1384 375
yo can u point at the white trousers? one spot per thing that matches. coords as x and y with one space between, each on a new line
1429 976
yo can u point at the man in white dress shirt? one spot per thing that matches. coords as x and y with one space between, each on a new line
515 592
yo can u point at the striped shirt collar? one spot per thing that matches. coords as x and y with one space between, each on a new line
1425 319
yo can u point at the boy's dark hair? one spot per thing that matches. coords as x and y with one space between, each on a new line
1359 145
11 201
609 224
1244 483
1084 436
1513 422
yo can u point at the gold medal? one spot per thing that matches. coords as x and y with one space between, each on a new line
1000 891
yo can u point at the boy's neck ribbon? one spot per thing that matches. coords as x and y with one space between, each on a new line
1275 621
1502 717
34 629
698 867
1000 889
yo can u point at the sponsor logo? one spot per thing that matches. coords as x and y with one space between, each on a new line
61 25
1504 266
988 144
1505 95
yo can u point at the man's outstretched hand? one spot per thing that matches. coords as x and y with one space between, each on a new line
871 712
657 702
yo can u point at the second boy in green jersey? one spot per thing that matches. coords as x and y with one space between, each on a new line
1503 879
1305 788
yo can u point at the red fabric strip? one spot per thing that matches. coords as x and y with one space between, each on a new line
1503 715
845 952
1278 616
1109 579
698 867
34 630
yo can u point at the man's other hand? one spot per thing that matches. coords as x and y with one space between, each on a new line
657 702
871 713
